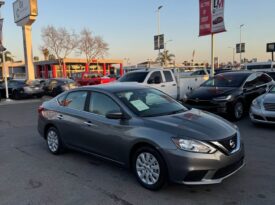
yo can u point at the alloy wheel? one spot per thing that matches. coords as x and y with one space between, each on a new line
147 168
52 140
238 111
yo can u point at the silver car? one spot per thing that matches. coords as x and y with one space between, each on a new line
263 108
143 129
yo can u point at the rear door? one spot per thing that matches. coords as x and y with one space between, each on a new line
170 84
71 118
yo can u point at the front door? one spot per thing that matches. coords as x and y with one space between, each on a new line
104 136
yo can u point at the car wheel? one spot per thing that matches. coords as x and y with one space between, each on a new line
149 168
54 142
238 111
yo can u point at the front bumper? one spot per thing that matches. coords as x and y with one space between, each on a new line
198 169
261 115
211 106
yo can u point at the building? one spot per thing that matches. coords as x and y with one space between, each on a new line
52 69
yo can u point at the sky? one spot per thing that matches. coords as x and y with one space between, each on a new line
128 26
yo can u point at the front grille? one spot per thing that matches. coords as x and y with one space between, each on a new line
269 106
195 176
271 119
230 144
223 172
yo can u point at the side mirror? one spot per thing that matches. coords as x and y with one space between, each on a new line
115 115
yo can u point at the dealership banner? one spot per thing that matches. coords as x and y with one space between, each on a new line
211 17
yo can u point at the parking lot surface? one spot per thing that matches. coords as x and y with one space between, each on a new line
31 175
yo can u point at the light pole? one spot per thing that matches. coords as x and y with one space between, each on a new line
158 24
233 54
3 49
242 25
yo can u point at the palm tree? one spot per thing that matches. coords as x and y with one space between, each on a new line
45 53
165 57
8 56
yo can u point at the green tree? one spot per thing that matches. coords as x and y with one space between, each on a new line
165 57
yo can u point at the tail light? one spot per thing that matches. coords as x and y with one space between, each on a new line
40 110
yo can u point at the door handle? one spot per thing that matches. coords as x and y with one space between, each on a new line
89 124
60 117
174 84
162 86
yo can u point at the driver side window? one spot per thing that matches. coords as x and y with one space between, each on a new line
155 78
102 104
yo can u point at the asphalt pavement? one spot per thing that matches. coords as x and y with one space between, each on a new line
30 175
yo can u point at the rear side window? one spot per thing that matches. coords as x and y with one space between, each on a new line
76 100
263 79
168 76
102 104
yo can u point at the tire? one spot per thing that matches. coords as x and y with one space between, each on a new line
54 142
149 168
237 111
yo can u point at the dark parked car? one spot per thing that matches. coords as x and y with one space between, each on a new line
19 89
143 129
55 86
271 74
229 93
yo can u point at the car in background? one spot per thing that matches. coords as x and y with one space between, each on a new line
263 108
19 89
218 20
143 129
91 78
56 86
229 93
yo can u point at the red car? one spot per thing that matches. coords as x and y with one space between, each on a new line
91 78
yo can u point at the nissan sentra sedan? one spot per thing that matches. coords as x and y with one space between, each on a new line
263 108
145 130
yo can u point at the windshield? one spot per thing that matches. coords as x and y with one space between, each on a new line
272 90
134 77
150 103
225 80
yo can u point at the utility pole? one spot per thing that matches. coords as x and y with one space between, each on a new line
3 49
212 56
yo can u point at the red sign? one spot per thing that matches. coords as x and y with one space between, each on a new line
211 17
205 17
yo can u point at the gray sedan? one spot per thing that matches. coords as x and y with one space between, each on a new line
145 130
263 108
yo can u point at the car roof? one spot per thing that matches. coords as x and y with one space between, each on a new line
242 73
114 87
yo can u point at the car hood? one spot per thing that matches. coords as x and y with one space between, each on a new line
208 93
268 98
194 124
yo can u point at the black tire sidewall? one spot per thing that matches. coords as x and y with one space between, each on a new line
232 111
163 169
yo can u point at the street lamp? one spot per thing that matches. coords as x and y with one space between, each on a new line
158 24
242 25
233 54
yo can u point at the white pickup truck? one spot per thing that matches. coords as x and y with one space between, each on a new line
175 85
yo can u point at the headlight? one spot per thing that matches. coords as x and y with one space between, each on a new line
193 146
256 103
223 98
